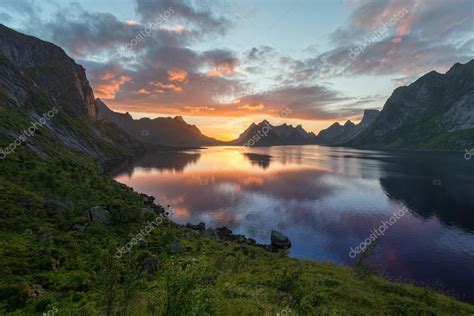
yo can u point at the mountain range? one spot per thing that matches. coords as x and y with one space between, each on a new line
434 112
160 131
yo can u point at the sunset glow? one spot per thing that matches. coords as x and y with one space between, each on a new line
231 64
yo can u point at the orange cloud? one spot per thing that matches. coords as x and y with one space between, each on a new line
252 107
109 85
177 75
199 109
170 86
225 68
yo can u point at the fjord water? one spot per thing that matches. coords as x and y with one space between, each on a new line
328 200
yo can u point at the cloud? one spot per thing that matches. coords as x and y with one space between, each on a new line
415 44
203 20
170 86
223 62
177 75
109 84
252 107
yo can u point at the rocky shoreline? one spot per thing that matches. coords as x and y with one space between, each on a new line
279 241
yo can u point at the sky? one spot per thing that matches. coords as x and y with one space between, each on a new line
223 64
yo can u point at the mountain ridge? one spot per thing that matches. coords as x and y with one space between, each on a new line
434 112
167 131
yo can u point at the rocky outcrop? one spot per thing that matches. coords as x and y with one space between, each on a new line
280 240
99 215
38 78
50 68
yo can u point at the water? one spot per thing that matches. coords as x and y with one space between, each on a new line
328 200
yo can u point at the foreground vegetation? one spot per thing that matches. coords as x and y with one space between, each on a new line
52 261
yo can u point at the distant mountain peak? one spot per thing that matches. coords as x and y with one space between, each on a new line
179 119
283 134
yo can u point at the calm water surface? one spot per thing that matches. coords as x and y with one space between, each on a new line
328 200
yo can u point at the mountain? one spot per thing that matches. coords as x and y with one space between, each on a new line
160 131
338 134
46 100
434 112
265 134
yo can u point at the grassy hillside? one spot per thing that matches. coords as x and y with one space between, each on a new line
49 263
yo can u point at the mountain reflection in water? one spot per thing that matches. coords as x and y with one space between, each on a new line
328 200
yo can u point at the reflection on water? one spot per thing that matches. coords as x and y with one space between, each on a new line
328 200
262 161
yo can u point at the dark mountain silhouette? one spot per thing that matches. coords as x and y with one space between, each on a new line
338 134
434 112
160 131
265 134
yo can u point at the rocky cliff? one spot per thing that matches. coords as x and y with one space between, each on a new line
338 134
43 89
434 112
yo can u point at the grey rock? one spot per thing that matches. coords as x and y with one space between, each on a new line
150 264
280 240
54 207
98 214
174 247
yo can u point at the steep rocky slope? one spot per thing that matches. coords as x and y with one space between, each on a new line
338 134
43 89
434 112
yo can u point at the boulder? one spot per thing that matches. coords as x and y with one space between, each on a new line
224 233
149 264
98 214
54 207
174 247
147 200
280 240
